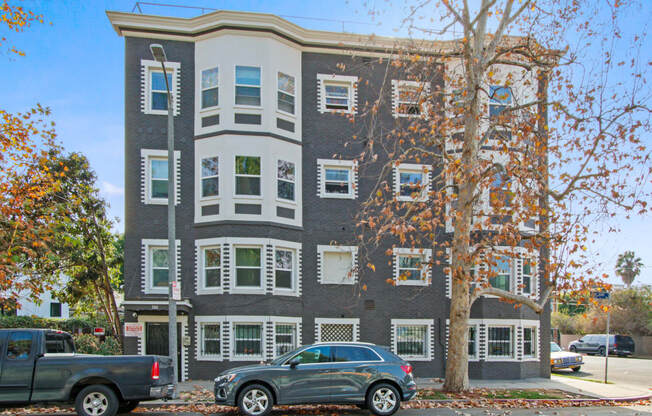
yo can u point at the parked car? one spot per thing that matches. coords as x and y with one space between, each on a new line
621 345
40 365
345 373
560 359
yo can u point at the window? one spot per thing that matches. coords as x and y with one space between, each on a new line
473 338
530 342
248 340
528 278
409 98
247 175
158 168
159 267
248 267
412 340
58 343
411 266
285 338
212 267
500 342
158 90
500 98
501 273
354 354
285 177
336 264
500 194
247 85
210 181
19 345
411 182
210 88
314 355
211 344
55 309
285 93
337 93
337 179
283 269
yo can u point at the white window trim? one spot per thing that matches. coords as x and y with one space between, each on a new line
248 320
219 177
355 322
201 281
426 269
294 96
203 109
475 357
295 268
200 321
259 176
430 339
149 66
396 89
321 249
296 173
253 290
489 98
146 282
513 357
535 342
235 85
146 155
352 82
285 320
323 164
425 170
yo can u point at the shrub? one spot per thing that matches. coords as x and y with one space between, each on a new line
72 325
90 344
567 324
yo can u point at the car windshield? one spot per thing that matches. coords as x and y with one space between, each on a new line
282 358
554 347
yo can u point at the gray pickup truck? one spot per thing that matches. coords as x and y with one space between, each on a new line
41 366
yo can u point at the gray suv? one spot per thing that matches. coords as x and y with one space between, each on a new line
355 373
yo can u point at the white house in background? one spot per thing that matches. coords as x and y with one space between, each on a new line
49 307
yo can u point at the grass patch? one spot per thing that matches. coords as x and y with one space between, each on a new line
431 394
522 394
593 380
488 394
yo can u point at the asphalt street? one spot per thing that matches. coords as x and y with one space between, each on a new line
628 371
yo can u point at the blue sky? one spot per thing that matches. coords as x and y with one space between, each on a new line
75 66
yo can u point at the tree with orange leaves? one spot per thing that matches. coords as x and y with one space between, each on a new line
508 154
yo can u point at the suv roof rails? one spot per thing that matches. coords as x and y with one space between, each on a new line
344 342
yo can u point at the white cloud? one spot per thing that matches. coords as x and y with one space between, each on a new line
110 189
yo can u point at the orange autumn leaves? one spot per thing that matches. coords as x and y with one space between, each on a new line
16 18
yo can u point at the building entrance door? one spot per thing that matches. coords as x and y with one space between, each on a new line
156 336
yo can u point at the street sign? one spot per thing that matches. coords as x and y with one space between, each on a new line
176 290
133 329
601 295
98 332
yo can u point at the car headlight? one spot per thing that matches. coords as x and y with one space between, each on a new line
555 361
227 378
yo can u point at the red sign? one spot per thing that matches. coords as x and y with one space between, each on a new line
98 332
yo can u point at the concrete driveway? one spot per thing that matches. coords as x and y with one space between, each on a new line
628 371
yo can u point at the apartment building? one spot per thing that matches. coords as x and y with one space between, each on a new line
266 191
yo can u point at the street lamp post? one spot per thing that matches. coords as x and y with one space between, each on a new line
159 55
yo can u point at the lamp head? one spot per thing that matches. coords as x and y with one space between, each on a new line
158 52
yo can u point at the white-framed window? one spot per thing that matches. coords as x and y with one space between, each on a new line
500 98
530 342
337 93
411 182
248 86
500 342
529 277
210 81
154 176
336 265
337 329
500 193
409 98
284 274
210 180
501 273
285 180
154 92
248 340
412 338
211 271
337 179
473 342
248 267
211 341
247 176
285 338
286 93
156 265
411 266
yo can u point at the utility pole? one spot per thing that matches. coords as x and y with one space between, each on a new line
606 348
159 55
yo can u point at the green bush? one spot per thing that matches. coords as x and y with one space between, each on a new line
90 344
72 325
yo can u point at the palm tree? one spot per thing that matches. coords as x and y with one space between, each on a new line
628 266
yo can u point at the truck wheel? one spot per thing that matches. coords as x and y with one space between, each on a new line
383 400
96 400
255 400
128 406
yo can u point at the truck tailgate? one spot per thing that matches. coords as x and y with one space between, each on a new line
166 371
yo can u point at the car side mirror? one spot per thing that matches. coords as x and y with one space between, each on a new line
294 362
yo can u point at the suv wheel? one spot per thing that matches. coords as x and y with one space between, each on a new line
96 400
255 400
573 349
383 400
601 351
